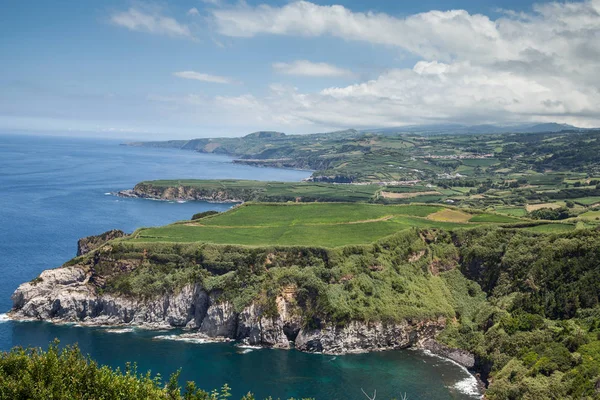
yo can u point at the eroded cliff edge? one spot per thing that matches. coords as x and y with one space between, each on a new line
268 297
66 295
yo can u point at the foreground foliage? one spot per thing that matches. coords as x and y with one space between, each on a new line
67 374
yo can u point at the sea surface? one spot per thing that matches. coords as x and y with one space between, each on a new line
54 191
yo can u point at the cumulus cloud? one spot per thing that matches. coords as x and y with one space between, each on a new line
203 77
150 21
193 11
308 68
539 65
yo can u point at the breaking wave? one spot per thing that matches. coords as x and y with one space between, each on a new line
120 330
468 385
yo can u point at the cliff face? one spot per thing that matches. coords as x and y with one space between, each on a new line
87 244
187 193
66 295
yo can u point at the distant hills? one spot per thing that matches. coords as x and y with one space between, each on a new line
478 129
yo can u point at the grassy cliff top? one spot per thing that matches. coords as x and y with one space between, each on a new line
316 224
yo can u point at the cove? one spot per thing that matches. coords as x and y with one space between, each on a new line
55 191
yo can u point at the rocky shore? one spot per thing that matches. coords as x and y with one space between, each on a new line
66 295
179 194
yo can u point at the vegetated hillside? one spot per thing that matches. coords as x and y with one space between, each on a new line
526 304
539 329
352 156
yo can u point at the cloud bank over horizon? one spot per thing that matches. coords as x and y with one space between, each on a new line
228 68
537 66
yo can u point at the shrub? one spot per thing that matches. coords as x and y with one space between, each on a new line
203 214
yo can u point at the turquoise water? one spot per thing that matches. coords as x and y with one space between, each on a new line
55 190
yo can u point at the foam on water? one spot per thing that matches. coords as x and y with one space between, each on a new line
248 346
4 318
120 330
468 385
188 339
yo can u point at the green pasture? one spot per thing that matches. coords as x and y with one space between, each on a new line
550 228
495 219
479 162
315 224
587 201
512 211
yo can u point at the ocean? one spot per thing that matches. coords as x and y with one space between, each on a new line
55 190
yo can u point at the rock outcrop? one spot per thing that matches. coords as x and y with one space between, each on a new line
358 336
187 193
90 243
459 356
67 295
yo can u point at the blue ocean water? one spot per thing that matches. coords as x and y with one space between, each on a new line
54 191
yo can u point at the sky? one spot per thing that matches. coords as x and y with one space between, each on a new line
206 68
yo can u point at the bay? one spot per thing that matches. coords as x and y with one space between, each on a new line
54 191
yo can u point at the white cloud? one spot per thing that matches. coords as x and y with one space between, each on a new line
308 68
193 11
150 21
528 66
203 77
213 2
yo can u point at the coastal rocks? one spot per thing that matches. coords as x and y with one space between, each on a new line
64 295
90 243
32 298
358 337
459 356
257 327
186 193
220 319
68 295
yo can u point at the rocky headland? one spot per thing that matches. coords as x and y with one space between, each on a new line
68 294
77 293
186 193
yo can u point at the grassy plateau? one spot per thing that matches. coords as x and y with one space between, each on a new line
319 224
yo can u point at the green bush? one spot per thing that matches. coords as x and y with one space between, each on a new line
66 373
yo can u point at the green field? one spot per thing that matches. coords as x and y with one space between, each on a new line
513 211
587 201
495 219
590 215
325 225
479 162
551 228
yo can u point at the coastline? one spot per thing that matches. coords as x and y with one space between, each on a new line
467 386
131 194
201 338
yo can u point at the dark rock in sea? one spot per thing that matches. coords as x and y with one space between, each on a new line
459 356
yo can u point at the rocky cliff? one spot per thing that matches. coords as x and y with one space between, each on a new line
67 295
187 193
89 243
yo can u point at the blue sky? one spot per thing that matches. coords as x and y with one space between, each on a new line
212 67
